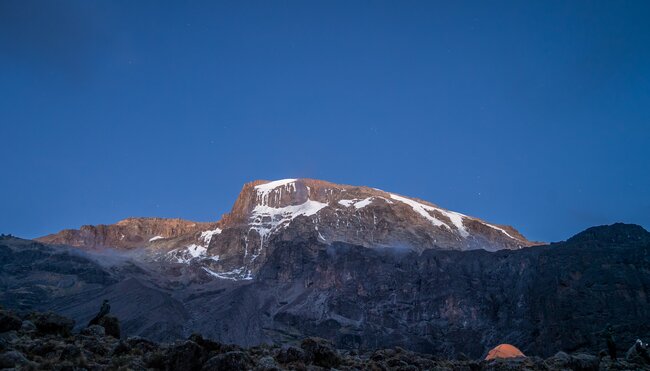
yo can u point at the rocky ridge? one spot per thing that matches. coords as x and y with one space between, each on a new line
266 212
129 233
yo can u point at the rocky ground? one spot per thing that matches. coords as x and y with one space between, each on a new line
45 341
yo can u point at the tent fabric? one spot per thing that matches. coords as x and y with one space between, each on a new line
504 351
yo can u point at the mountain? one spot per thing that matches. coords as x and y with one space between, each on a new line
359 266
542 299
266 213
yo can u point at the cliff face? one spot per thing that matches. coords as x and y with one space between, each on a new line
543 299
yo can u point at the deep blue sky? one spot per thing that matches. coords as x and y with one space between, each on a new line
534 114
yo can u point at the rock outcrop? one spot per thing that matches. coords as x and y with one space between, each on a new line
129 233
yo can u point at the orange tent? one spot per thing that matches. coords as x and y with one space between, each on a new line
504 351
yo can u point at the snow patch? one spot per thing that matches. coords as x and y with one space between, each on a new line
346 203
363 203
265 219
234 274
156 238
194 251
424 210
207 235
188 253
457 220
360 204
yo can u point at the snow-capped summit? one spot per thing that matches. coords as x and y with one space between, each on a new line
267 212
287 209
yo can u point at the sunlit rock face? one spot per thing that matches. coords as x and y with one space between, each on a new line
293 210
129 233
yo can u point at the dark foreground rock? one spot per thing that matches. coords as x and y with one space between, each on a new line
111 326
54 347
321 352
9 321
51 323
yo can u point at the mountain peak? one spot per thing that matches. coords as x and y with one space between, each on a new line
265 195
266 212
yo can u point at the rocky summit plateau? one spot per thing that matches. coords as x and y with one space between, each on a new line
359 267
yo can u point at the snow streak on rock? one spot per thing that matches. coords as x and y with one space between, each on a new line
206 236
455 218
193 251
360 204
427 212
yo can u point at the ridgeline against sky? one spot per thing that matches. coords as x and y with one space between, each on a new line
532 115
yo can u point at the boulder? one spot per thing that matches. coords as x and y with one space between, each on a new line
186 355
8 337
638 353
289 354
267 363
70 353
576 362
9 321
561 358
584 362
28 326
93 330
12 359
122 348
321 352
111 325
382 355
140 344
51 323
46 347
213 346
230 361
96 345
